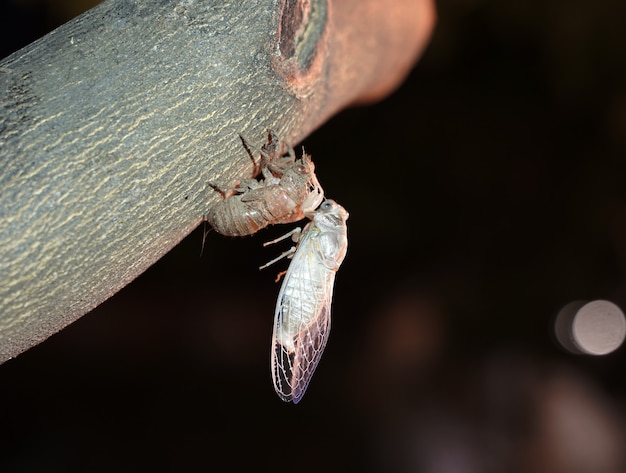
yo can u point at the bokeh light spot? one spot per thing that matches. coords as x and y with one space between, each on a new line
593 328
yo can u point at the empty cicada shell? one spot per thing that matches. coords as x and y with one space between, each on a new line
287 190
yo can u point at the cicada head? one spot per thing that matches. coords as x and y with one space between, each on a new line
330 216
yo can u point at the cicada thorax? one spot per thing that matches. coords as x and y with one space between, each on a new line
285 200
274 203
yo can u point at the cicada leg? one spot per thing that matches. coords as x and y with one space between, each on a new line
295 236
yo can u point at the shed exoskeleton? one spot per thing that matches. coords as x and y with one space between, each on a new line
288 188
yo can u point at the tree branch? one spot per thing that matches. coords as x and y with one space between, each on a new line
111 125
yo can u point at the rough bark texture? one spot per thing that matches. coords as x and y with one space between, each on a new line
111 125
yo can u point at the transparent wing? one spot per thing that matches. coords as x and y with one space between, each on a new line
301 323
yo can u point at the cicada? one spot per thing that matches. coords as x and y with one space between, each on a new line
302 316
288 189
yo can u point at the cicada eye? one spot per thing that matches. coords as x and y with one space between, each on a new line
300 169
326 205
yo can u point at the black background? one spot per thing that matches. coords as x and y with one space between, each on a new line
484 195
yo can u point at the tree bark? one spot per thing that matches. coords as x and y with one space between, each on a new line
111 126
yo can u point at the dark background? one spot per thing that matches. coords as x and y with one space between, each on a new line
484 195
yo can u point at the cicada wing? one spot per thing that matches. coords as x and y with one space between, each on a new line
295 358
309 349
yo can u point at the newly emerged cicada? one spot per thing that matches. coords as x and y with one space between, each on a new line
302 316
287 190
